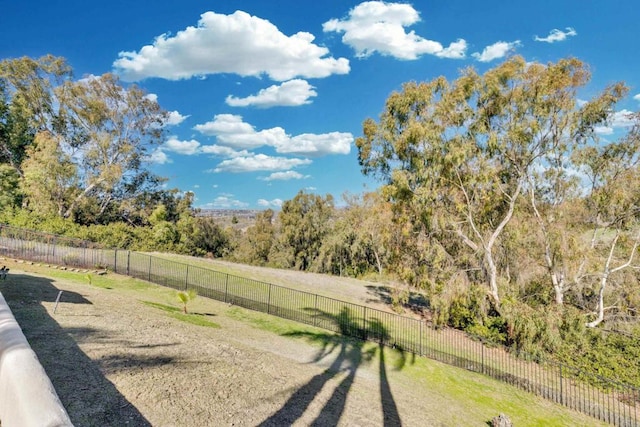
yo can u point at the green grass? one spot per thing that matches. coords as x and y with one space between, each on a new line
176 313
478 395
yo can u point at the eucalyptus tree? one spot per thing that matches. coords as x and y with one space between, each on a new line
460 155
612 219
28 103
113 128
49 176
257 240
555 184
303 222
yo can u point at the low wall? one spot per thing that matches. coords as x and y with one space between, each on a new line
27 397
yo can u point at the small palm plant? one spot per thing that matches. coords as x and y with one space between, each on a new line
185 297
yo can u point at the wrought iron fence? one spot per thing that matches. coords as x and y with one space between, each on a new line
599 397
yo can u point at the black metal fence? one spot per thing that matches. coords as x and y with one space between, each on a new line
601 398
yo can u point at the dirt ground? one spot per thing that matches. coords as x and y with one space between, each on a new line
117 361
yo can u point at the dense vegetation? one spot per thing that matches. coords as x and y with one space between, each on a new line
500 202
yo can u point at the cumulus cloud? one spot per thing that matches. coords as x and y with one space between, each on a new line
276 203
617 120
238 43
187 148
158 157
285 176
495 51
556 35
622 118
377 26
259 162
603 130
222 151
289 94
175 118
637 97
231 131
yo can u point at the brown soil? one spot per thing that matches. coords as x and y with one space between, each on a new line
116 361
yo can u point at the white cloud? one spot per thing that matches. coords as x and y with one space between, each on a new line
225 201
289 94
309 144
175 118
182 147
222 151
637 97
617 120
603 130
623 118
269 203
258 162
238 43
285 176
231 131
377 26
556 35
495 51
456 50
152 97
158 157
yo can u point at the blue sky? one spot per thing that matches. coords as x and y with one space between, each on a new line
267 97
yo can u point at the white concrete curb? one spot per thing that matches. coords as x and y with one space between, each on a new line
27 397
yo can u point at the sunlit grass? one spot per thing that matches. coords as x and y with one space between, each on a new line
176 313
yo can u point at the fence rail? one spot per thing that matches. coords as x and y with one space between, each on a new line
601 398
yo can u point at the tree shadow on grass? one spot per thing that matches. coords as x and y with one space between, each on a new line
88 396
351 354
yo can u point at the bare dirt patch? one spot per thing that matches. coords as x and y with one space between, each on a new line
116 360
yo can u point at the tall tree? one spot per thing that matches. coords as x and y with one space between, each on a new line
613 214
258 239
113 128
459 154
554 186
50 176
304 222
27 103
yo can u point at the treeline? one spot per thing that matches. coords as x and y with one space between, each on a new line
506 201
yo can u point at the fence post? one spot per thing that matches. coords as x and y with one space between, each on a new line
420 341
315 306
115 260
186 278
269 300
561 385
128 261
226 287
149 268
364 323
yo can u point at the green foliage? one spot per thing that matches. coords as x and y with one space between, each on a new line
185 297
256 242
10 194
209 238
304 222
194 319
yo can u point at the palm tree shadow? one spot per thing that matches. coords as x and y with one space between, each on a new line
351 354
